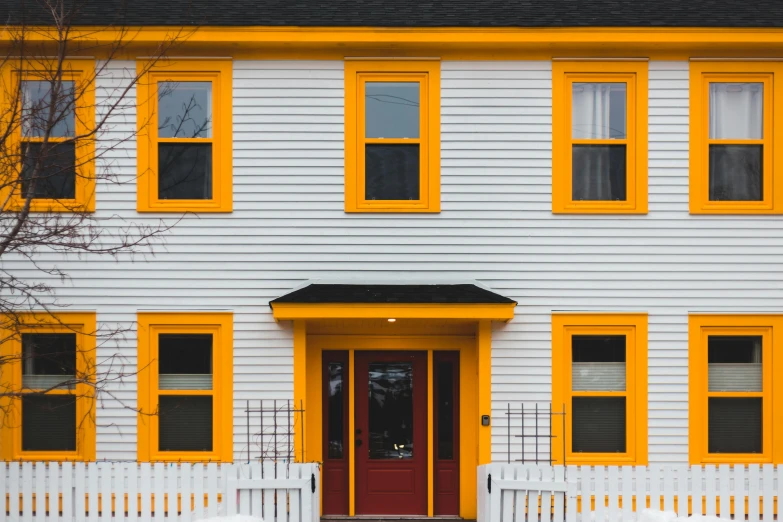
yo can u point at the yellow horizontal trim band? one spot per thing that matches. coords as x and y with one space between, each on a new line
494 312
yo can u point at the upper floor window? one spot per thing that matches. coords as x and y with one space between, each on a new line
185 137
392 136
733 137
51 112
50 363
599 133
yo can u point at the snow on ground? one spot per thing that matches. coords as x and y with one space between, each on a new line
235 518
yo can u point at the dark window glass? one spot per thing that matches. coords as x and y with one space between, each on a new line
598 348
734 349
598 425
391 109
185 423
185 354
38 104
336 418
184 109
51 175
391 172
184 171
49 354
736 173
735 425
445 379
598 173
391 410
48 423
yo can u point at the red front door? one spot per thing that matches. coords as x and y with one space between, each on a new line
391 433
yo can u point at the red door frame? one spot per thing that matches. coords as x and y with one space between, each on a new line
335 470
446 471
391 486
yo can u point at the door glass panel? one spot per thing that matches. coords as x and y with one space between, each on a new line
335 419
391 410
445 407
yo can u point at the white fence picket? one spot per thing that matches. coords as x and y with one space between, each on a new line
696 490
520 495
768 492
724 485
198 491
626 490
640 489
79 490
27 492
104 470
739 492
710 491
655 488
158 492
13 490
668 489
682 491
131 472
754 498
212 492
571 494
185 496
67 491
146 490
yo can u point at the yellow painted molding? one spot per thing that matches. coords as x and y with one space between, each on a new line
293 311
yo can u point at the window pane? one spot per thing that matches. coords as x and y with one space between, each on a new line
391 109
734 363
598 110
38 102
391 172
184 109
185 361
51 176
185 423
391 411
48 360
598 363
445 410
336 414
598 173
184 171
49 423
736 111
598 424
735 425
736 173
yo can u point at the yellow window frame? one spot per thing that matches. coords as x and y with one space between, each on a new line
82 73
427 74
221 326
219 73
770 328
701 75
634 327
634 74
83 324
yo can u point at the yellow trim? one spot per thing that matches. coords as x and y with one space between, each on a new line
300 378
484 356
221 326
634 327
447 43
430 436
82 73
219 73
84 325
770 328
427 75
701 75
293 311
467 345
634 75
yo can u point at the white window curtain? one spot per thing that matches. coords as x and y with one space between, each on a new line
598 111
737 376
736 111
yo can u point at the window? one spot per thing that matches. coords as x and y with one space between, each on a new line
52 364
56 167
185 137
392 136
599 378
733 137
732 392
185 386
599 137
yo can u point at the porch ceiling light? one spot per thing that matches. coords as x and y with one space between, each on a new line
392 320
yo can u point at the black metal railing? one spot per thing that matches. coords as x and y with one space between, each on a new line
530 426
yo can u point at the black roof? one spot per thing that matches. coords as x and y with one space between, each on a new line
386 294
410 13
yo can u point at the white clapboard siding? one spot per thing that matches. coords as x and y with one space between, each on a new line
127 491
526 492
496 227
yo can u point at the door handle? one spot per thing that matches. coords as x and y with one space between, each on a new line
358 431
358 442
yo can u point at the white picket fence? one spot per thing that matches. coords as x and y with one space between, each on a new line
171 492
530 493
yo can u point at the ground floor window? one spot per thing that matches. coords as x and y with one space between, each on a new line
49 369
185 386
599 379
732 391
